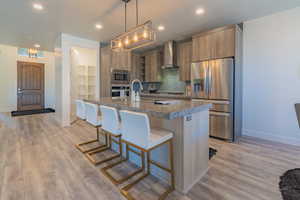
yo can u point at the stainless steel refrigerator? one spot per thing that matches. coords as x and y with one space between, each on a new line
213 81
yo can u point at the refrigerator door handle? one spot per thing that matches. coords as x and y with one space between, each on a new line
209 77
207 82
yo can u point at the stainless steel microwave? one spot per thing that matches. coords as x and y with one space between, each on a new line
120 77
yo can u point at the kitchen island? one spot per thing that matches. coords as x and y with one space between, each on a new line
189 121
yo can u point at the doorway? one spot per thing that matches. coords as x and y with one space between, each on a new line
30 91
83 75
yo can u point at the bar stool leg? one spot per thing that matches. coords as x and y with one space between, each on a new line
171 153
171 171
90 154
79 146
125 190
119 181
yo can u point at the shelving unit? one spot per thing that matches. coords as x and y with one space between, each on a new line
143 68
86 84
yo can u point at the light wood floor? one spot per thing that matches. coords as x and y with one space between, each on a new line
38 161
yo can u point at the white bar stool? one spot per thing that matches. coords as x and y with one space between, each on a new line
90 112
80 109
111 128
136 132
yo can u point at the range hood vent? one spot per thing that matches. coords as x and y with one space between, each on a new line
170 57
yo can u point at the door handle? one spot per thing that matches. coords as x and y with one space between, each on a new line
207 88
19 90
219 114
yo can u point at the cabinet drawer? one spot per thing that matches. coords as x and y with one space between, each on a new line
220 125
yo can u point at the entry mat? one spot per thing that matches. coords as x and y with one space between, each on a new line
289 184
31 112
212 152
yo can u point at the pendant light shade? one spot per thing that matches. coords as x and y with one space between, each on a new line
32 53
139 36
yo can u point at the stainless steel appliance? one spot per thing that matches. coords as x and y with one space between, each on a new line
120 77
213 82
297 107
170 56
120 91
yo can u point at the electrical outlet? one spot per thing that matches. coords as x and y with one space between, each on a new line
189 118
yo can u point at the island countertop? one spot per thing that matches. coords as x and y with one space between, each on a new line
175 110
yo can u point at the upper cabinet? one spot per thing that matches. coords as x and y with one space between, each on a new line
184 59
121 60
136 70
153 63
217 43
202 47
224 43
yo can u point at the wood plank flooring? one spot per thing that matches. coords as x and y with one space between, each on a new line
38 161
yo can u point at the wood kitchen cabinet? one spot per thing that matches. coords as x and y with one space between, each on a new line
105 71
121 60
224 43
184 59
202 46
217 43
153 63
136 72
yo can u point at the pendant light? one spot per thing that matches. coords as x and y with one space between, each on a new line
139 36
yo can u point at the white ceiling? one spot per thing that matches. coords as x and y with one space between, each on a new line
23 26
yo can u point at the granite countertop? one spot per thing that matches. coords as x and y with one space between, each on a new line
165 95
180 109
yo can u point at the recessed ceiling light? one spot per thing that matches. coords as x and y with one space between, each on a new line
98 26
200 11
37 46
161 28
38 6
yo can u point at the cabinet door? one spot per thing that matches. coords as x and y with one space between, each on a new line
202 46
184 59
126 60
135 67
105 72
156 63
115 61
121 60
153 66
223 43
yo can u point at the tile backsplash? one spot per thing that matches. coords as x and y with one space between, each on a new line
171 82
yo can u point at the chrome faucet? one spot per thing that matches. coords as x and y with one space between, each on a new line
136 89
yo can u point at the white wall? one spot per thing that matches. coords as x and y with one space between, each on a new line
58 80
64 45
272 76
8 77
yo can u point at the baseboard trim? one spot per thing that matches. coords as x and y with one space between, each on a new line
272 137
7 108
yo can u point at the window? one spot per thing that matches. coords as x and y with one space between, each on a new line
25 52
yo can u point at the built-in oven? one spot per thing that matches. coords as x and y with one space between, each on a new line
120 77
120 91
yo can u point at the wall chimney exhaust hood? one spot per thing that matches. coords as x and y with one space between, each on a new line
170 57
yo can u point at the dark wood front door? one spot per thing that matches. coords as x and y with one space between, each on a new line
30 86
